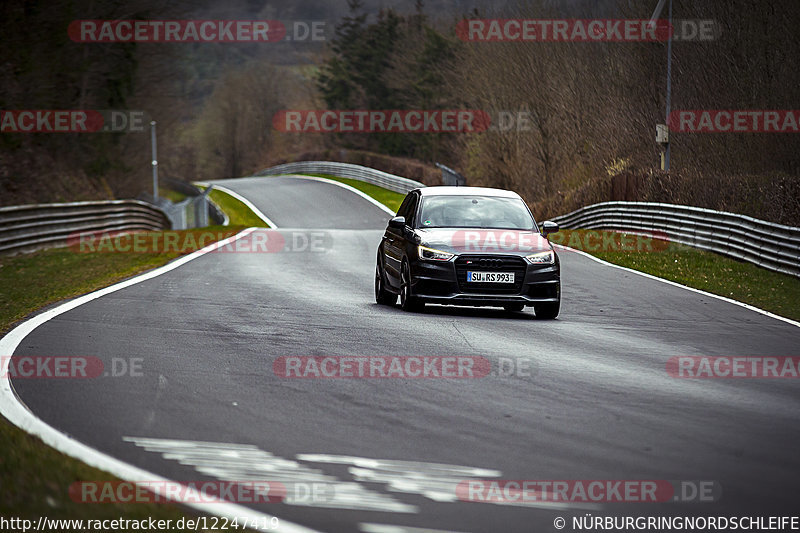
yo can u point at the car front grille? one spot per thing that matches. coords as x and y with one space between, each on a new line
490 263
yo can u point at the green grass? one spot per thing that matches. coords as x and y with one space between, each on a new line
390 199
239 214
31 281
714 273
172 196
36 478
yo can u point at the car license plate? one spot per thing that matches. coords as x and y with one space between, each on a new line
490 277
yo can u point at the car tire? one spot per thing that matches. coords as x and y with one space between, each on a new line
382 296
548 310
514 308
408 302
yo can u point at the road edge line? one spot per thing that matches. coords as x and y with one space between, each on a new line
350 188
18 413
676 284
256 211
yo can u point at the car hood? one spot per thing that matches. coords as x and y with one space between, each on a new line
483 241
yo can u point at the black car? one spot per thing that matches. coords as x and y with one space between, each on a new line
468 246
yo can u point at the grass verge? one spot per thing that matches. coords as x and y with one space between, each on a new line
171 195
238 213
36 478
390 199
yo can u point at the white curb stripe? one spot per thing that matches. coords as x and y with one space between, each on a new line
19 415
350 188
242 199
676 284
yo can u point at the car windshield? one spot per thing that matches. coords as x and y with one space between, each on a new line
475 212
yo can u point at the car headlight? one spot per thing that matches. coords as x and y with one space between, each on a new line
431 254
542 258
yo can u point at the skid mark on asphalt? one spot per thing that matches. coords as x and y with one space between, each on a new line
312 487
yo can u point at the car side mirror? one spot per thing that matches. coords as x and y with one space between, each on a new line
549 227
397 222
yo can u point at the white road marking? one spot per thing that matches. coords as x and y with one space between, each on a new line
437 482
237 462
399 466
350 188
18 414
244 462
675 284
242 199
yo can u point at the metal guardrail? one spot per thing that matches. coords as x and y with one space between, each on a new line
192 212
769 245
451 177
346 170
32 227
213 212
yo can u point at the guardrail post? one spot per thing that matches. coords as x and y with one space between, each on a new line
201 208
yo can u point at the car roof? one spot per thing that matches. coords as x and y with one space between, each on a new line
444 190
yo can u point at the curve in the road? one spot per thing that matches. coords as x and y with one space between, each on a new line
18 414
307 202
597 404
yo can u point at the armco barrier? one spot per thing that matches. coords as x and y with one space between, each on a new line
769 245
31 227
451 177
772 246
346 170
214 213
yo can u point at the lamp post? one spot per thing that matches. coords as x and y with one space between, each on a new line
155 159
666 153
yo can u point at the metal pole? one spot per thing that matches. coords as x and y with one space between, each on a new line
669 82
155 159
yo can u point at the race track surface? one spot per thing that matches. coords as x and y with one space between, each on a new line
596 402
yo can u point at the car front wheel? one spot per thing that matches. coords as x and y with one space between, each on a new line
408 302
382 296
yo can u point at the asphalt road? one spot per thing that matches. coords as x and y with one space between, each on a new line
597 403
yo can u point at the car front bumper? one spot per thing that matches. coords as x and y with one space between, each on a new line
445 283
